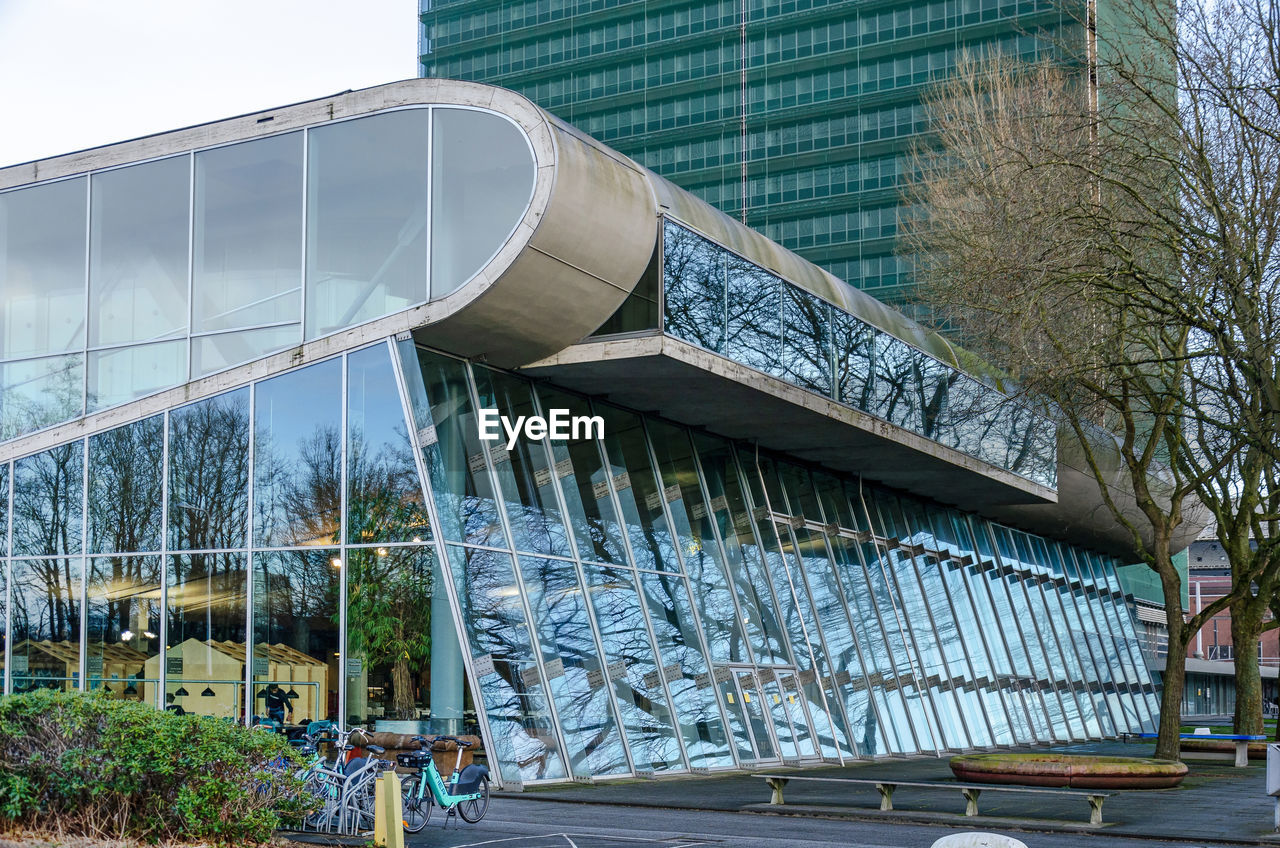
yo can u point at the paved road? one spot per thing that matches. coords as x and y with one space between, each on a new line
514 823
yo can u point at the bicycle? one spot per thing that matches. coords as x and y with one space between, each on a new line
466 792
346 789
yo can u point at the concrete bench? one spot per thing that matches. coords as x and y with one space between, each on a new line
1241 741
970 791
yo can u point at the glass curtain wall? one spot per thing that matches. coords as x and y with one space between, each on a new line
638 598
131 280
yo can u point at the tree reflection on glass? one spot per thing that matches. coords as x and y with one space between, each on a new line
693 288
44 623
125 477
389 609
524 738
47 491
209 473
384 493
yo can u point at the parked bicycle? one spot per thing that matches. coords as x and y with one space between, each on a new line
347 788
466 792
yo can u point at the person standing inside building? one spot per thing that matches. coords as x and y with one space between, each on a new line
277 703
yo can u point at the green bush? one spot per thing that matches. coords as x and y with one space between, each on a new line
92 766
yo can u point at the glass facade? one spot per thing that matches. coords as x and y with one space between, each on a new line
130 280
640 597
646 599
796 117
717 300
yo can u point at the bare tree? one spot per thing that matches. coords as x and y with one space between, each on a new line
1107 239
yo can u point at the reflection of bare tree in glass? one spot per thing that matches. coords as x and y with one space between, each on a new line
806 333
384 500
494 623
693 288
753 315
47 489
298 493
854 343
209 473
41 400
125 473
563 627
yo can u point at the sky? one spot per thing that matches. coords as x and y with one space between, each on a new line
82 73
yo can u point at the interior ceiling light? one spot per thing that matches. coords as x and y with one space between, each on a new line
181 693
208 692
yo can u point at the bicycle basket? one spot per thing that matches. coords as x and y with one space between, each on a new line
414 759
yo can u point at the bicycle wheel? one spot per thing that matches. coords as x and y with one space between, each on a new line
474 809
415 811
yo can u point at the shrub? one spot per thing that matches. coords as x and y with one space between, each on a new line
92 766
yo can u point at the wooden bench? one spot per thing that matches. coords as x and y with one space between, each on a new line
1241 740
970 791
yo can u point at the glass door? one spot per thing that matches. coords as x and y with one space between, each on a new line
743 689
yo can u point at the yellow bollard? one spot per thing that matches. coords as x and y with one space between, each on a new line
388 815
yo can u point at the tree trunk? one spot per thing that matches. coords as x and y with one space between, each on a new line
1246 626
402 700
1168 745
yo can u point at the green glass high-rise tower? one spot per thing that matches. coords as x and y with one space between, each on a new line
807 109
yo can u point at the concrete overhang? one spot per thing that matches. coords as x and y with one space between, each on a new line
685 383
670 377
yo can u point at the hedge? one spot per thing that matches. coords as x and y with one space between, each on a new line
92 766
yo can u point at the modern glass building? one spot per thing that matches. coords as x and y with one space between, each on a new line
245 370
794 116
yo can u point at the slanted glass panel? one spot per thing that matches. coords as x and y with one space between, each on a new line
525 475
35 393
384 494
1039 631
562 622
455 456
123 625
1049 573
693 284
854 349
248 234
297 458
1074 634
1099 639
753 316
126 474
398 621
366 219
743 558
685 670
512 690
980 629
295 629
209 474
44 623
48 491
867 681
946 613
837 642
206 651
42 269
926 637
639 493
897 390
630 668
806 340
584 480
118 376
138 252
695 533
935 380
482 175
223 350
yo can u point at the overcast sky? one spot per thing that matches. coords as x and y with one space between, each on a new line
80 73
